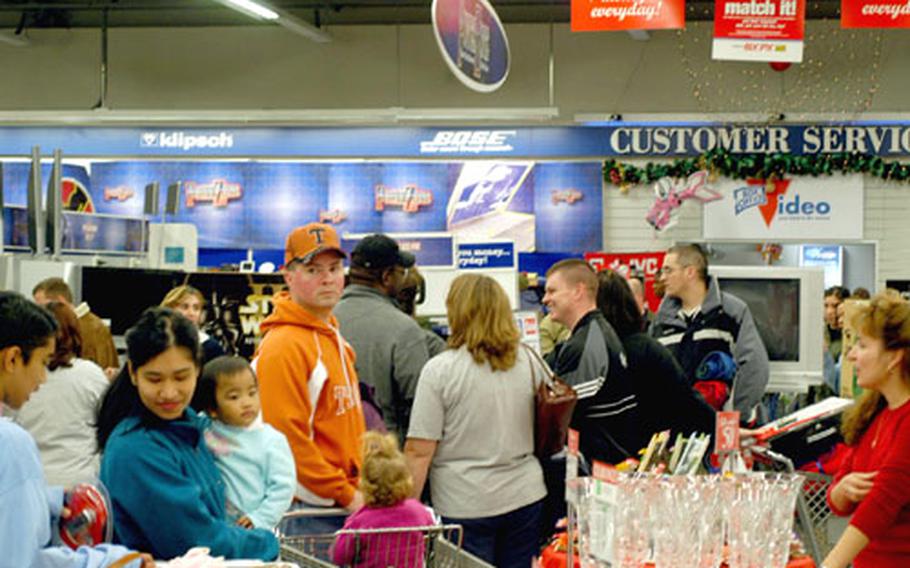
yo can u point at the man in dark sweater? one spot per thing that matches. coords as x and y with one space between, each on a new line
391 348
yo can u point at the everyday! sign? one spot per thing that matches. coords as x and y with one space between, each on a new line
875 13
759 30
610 15
801 208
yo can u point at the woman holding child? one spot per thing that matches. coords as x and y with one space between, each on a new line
166 489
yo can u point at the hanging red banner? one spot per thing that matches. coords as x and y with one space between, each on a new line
875 14
759 30
616 15
647 264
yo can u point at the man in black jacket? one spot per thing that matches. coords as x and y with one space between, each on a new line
592 360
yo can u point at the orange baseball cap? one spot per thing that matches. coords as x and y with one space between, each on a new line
305 242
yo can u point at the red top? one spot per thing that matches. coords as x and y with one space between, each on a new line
884 515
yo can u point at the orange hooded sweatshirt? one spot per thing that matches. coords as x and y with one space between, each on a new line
309 391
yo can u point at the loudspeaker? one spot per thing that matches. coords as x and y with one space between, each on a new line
33 204
151 199
172 206
54 205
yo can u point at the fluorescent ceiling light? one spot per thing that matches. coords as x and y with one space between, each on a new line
303 28
240 117
291 117
250 8
260 10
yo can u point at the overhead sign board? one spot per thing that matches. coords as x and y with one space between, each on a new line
473 42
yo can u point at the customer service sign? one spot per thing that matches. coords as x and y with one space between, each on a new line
759 30
799 208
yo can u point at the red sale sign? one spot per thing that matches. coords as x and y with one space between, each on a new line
875 14
759 30
726 434
613 15
643 263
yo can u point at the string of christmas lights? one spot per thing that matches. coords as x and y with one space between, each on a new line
840 74
722 163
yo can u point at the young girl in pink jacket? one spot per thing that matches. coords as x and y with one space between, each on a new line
386 483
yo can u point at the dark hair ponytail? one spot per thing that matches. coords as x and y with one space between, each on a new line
157 330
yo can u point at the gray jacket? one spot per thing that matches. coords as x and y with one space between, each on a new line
391 350
723 323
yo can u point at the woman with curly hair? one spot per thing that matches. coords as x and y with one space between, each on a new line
386 484
874 482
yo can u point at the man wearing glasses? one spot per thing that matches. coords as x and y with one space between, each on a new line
390 346
710 333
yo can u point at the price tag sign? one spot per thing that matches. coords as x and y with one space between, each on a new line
726 434
604 472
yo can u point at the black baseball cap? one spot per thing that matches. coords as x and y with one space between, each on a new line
380 252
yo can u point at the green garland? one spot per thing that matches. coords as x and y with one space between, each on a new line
761 166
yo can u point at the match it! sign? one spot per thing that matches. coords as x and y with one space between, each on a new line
759 30
618 15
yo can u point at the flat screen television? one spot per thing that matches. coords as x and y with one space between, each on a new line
787 304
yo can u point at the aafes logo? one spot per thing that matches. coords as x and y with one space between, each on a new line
771 200
184 141
469 142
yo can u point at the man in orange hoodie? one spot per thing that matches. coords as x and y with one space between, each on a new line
307 381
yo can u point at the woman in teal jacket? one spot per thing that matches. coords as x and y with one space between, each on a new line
167 493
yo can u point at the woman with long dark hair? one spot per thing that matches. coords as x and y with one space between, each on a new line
874 481
167 493
665 399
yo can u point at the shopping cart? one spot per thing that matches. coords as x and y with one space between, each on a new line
412 547
816 524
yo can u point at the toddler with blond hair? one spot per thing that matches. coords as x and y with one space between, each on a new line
386 484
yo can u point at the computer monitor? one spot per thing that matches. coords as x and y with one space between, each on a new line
787 304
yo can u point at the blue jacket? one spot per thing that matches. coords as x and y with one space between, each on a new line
29 511
168 495
724 324
257 468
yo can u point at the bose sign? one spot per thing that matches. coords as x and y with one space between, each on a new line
186 142
469 142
